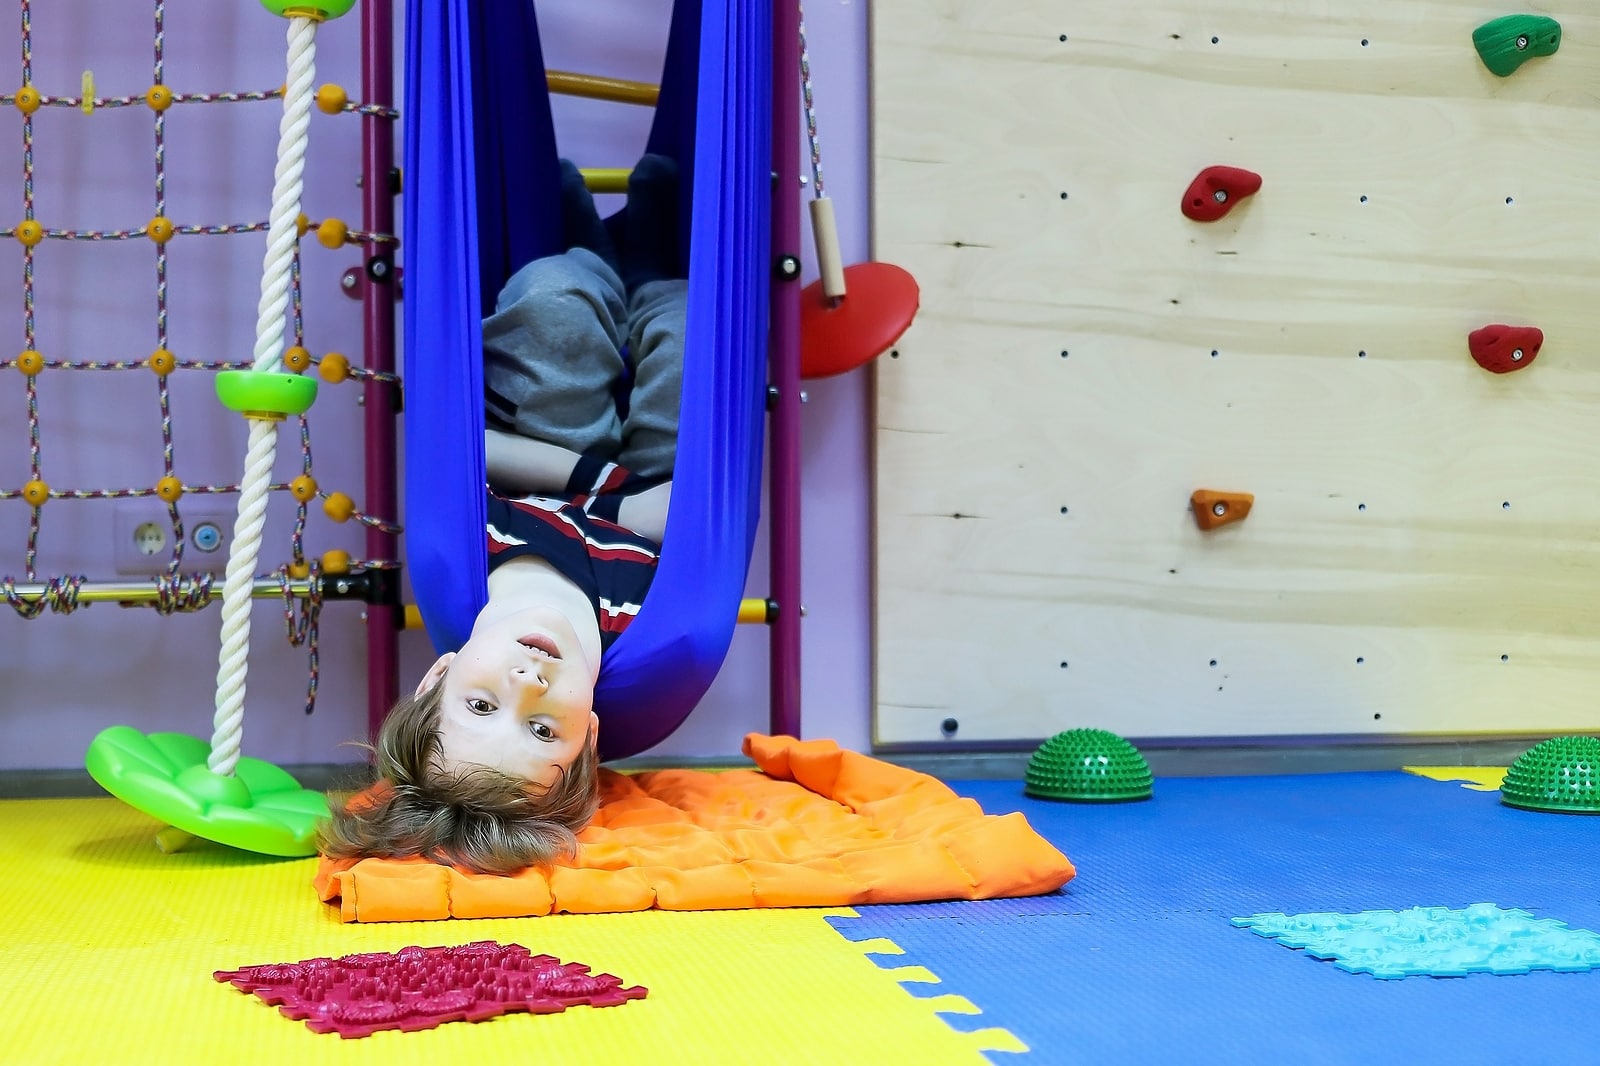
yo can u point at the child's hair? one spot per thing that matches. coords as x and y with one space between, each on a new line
477 818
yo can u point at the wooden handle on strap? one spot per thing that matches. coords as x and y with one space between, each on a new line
826 233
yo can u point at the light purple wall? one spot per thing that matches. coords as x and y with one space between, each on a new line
63 678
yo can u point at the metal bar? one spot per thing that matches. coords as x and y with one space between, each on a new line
752 612
783 473
597 88
378 344
135 592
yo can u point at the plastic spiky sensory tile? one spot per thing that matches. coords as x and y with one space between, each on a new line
1434 941
419 988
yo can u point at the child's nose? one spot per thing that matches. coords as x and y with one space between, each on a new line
530 677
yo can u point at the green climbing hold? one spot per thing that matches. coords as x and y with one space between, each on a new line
258 808
260 394
1088 766
1561 775
1505 43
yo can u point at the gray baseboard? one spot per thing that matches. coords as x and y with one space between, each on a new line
1186 761
69 784
1243 760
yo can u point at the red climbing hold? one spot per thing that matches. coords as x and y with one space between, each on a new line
1501 349
1215 190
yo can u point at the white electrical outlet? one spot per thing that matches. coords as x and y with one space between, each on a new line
143 540
150 538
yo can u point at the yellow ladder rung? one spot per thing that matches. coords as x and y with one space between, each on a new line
754 612
597 88
751 612
600 179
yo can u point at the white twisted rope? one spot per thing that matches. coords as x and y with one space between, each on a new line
282 233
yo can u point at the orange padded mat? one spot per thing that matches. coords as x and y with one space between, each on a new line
814 826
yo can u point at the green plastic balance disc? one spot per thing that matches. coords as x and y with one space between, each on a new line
1561 775
258 808
1088 766
320 10
261 393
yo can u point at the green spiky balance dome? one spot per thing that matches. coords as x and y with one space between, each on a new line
1088 766
1561 775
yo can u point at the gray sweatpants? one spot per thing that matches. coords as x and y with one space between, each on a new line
552 357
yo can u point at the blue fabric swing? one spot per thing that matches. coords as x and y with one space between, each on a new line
481 200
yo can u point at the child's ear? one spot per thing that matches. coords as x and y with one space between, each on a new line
435 673
594 733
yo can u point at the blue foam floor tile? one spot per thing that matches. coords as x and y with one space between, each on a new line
1137 959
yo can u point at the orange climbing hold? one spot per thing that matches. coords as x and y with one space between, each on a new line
1213 509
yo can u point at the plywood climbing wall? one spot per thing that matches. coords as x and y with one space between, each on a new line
1423 555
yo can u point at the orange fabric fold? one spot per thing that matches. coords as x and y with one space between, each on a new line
813 826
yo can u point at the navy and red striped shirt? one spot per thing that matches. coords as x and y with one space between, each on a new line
577 533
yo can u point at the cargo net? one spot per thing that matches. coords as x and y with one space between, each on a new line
301 581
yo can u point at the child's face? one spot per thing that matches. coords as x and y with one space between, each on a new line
518 697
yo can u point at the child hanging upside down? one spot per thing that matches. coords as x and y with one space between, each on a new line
492 763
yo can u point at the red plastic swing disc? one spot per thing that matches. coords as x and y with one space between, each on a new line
879 303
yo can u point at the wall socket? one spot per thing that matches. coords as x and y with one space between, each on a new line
143 540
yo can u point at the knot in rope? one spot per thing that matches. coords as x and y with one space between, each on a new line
181 593
59 594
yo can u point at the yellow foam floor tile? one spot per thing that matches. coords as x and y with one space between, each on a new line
109 946
1476 778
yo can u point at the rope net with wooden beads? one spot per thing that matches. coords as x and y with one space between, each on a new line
301 581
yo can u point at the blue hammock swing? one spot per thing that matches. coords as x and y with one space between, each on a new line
481 200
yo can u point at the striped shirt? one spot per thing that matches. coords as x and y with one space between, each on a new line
577 533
